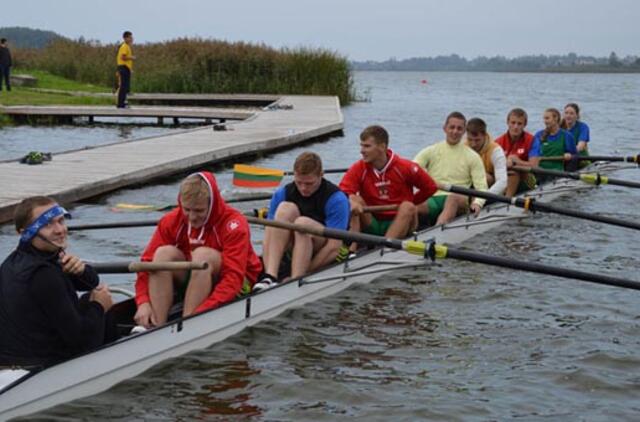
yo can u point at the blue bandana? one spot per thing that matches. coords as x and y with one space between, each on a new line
44 219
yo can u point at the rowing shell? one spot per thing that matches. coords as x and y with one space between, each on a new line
23 392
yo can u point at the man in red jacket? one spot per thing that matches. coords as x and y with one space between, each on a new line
202 228
384 178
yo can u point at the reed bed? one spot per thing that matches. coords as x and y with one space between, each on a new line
200 66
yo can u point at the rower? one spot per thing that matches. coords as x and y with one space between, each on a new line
310 200
578 129
382 177
43 321
202 228
555 142
521 150
452 162
495 163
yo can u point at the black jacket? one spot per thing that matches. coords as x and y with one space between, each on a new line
42 321
5 57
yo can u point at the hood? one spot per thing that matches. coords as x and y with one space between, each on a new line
217 206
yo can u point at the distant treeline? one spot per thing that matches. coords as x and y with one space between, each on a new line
199 66
21 37
534 63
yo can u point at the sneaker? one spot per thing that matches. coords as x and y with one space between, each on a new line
138 329
265 282
343 254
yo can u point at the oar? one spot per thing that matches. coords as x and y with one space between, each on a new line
136 267
592 178
627 159
432 250
531 204
123 206
151 223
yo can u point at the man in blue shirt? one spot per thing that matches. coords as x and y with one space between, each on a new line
309 200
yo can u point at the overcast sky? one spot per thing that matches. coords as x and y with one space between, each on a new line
359 29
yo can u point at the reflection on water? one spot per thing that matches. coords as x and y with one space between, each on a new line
454 341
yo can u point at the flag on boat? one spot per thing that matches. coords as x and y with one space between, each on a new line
256 177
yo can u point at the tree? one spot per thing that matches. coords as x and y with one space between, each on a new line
614 61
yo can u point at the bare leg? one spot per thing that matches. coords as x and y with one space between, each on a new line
513 181
161 282
452 207
201 282
276 240
305 246
358 221
406 220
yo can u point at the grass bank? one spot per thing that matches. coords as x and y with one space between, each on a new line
200 66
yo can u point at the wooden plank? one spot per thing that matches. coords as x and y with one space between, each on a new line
84 173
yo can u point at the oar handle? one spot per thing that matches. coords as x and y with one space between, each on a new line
136 267
380 208
325 171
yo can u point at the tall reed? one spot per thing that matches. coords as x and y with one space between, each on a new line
201 66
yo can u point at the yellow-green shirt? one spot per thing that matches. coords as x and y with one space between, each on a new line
125 49
454 164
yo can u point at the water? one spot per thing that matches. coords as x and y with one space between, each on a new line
459 342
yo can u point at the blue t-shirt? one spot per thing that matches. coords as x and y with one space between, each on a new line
337 210
536 148
569 142
580 132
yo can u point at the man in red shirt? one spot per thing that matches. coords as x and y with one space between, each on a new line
202 228
383 178
521 149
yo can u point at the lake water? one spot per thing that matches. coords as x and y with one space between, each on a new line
458 342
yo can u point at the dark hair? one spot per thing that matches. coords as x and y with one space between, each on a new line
545 132
476 125
518 112
3 40
378 133
22 215
308 163
455 115
576 108
126 34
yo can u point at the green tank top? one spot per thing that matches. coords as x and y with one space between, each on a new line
553 149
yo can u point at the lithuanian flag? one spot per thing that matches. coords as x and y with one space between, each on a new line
256 177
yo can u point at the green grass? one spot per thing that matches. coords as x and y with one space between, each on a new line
47 80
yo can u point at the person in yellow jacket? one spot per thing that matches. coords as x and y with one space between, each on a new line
451 162
124 61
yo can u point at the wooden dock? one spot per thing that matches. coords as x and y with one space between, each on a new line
67 113
81 174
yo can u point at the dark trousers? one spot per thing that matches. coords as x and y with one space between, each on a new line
125 85
4 76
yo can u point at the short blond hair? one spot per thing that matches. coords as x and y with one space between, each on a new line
308 163
194 188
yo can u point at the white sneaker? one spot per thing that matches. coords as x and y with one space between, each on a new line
266 282
138 329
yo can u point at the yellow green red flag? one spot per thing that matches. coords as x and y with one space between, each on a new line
256 177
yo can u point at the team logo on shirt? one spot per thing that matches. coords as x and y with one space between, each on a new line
383 189
520 151
233 224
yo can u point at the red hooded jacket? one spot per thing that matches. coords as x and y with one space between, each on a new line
226 230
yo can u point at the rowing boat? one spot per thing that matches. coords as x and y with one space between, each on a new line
25 391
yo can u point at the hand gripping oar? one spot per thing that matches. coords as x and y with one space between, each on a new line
262 212
433 251
531 204
136 267
591 178
626 159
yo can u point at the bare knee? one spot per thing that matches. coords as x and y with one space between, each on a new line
287 211
168 253
211 256
407 208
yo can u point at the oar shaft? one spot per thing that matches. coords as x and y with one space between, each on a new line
533 205
380 208
627 159
540 268
115 225
330 233
134 267
325 171
591 178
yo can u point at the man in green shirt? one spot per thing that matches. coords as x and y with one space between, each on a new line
452 162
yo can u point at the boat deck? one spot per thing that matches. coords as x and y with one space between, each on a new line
81 174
